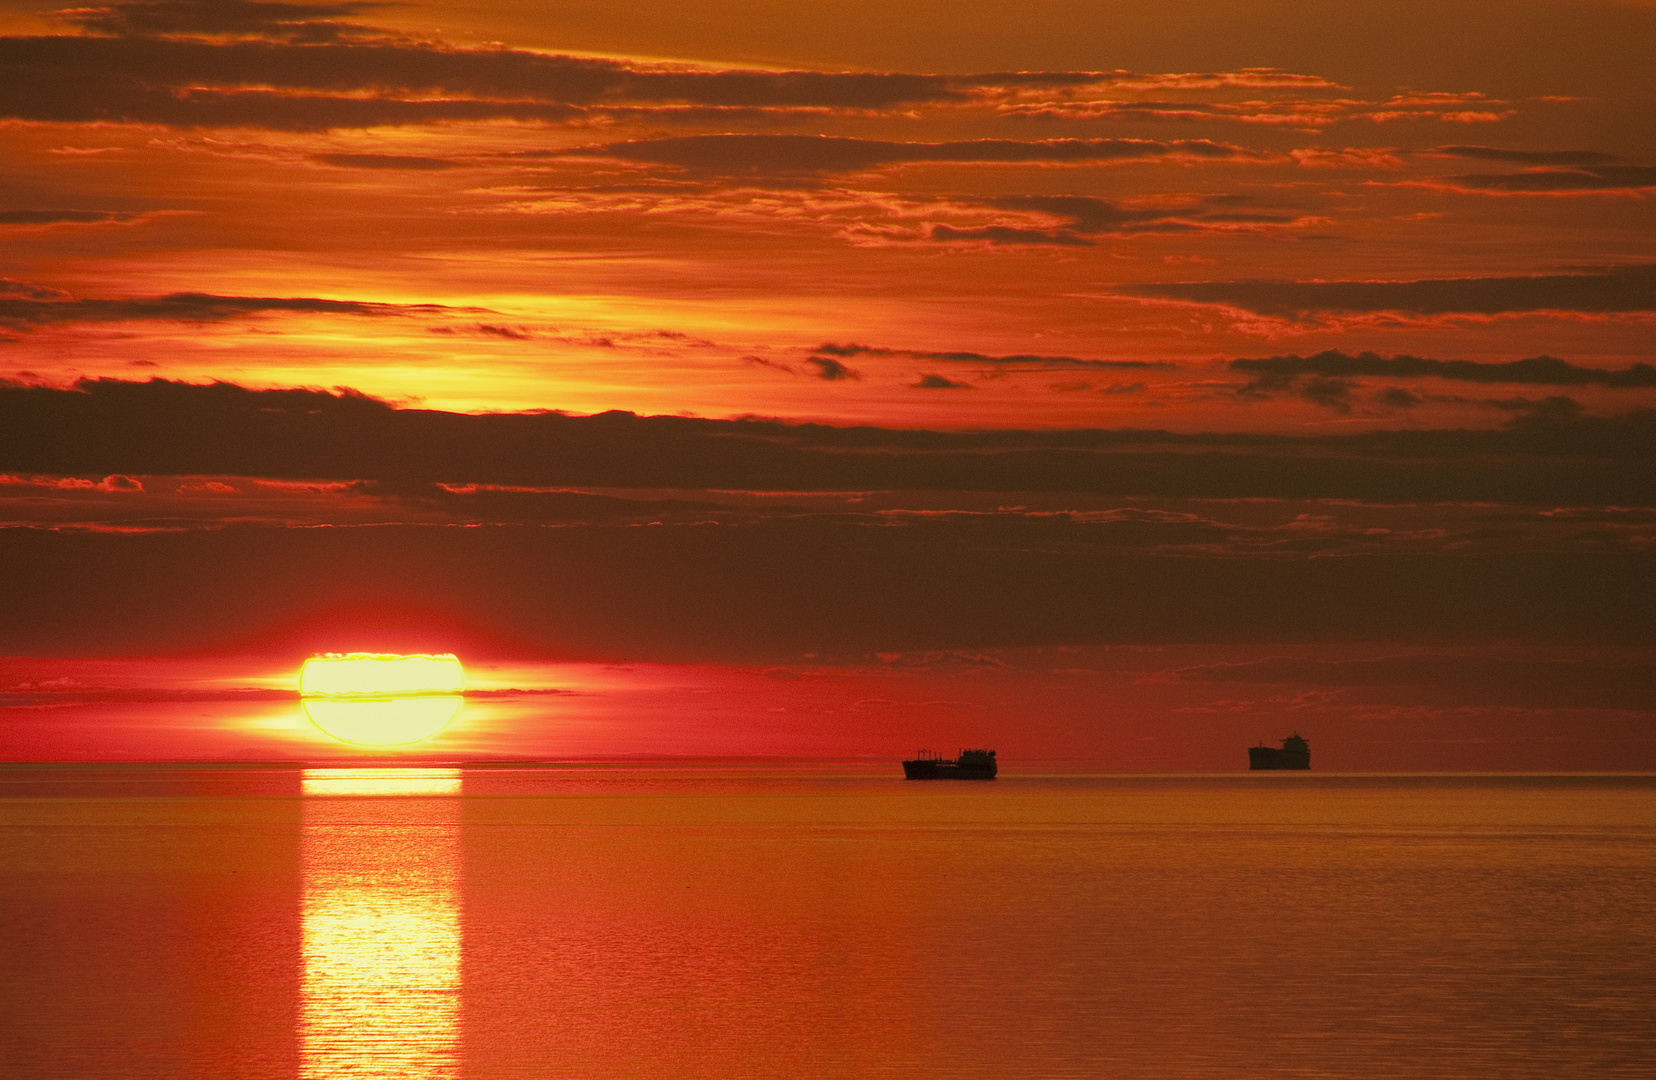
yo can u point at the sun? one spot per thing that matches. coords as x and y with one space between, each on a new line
388 721
378 674
380 699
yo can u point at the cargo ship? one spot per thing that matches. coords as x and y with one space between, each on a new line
1295 754
970 765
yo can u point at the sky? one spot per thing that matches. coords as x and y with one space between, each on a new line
798 356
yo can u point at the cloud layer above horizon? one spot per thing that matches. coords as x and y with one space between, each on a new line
776 330
200 189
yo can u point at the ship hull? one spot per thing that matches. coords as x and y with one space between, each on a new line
926 769
1269 757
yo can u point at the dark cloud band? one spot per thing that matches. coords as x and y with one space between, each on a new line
26 312
292 84
1535 371
1624 289
814 153
107 427
385 161
850 349
1560 181
64 217
143 18
771 592
1528 157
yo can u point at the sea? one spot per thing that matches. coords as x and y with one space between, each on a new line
821 919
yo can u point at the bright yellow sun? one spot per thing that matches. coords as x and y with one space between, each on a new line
377 699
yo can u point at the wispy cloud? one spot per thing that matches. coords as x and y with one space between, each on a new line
24 312
386 161
821 153
1535 371
1527 157
68 217
1018 360
1613 290
1580 180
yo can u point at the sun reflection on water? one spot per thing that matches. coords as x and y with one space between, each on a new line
381 924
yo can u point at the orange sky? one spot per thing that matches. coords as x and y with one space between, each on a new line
803 335
599 208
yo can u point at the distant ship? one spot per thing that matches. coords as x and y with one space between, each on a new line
970 765
1295 754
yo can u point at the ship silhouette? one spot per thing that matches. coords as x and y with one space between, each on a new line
1295 754
970 765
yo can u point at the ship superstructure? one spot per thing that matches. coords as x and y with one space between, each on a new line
970 765
1294 754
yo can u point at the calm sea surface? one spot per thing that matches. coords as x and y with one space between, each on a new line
822 922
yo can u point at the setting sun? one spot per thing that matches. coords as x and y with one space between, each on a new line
378 674
383 721
377 699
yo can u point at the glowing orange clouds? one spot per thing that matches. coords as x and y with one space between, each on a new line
375 699
608 211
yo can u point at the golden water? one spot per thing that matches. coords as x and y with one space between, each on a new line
793 921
